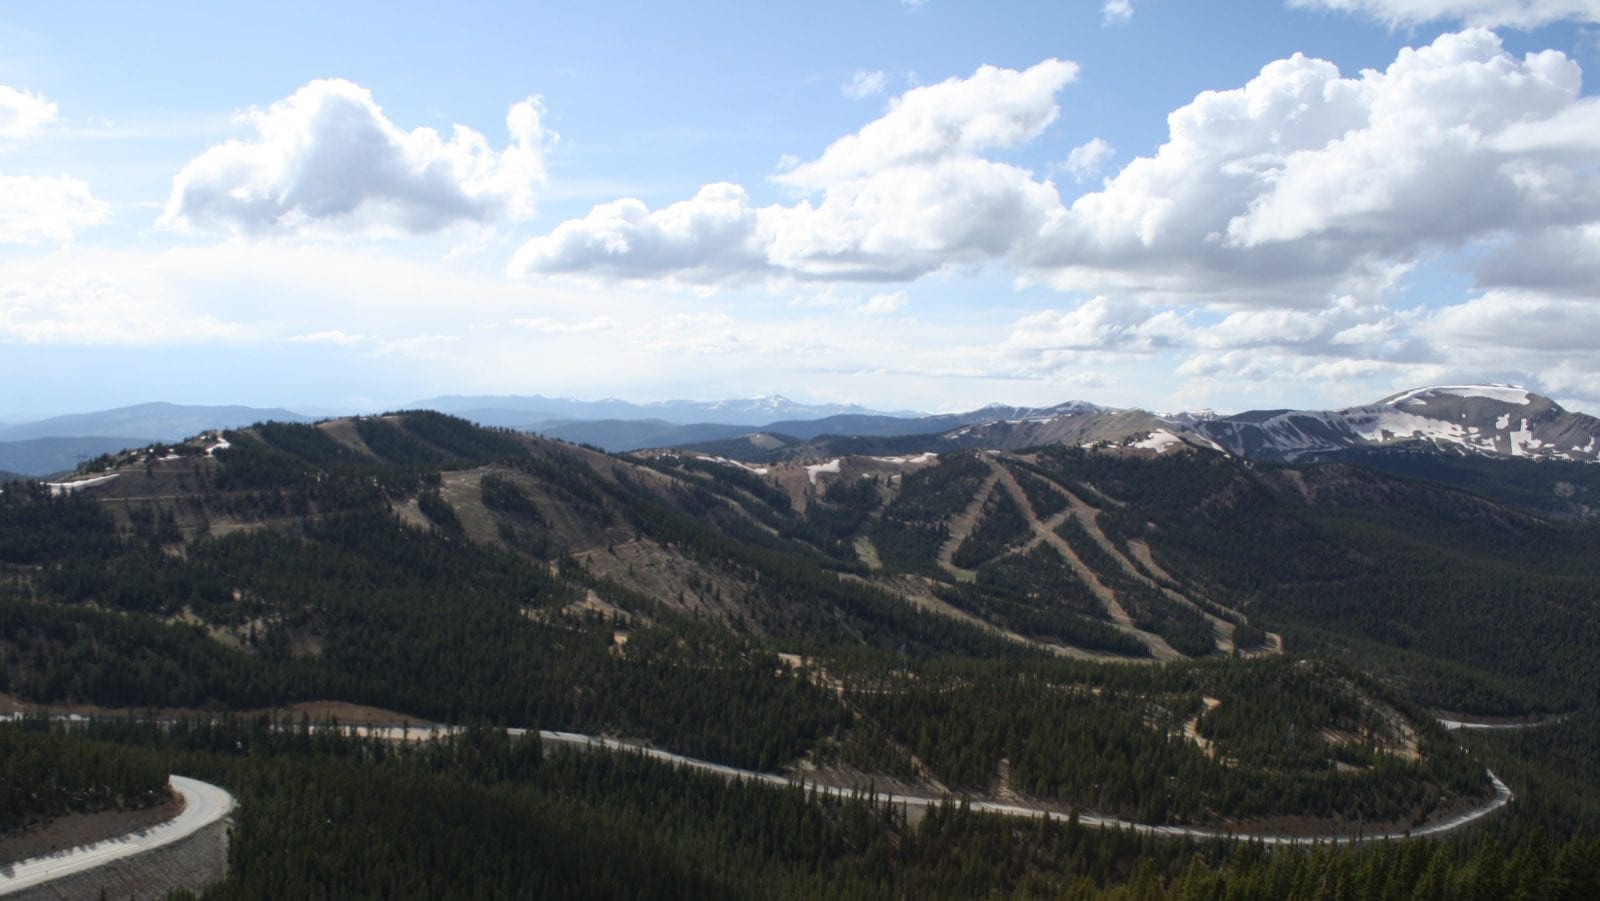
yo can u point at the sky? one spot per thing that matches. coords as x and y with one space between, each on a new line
907 204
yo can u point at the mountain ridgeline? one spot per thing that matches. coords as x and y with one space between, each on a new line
1488 421
1144 627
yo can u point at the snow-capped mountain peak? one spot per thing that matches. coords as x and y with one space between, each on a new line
1462 420
1507 394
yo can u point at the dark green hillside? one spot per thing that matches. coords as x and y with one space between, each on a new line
914 525
1001 527
37 528
1037 595
361 608
1045 498
1467 604
48 773
1548 487
1183 628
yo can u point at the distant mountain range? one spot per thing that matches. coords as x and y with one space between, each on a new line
527 411
620 435
59 443
1461 421
154 421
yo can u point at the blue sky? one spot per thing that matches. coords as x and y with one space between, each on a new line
908 205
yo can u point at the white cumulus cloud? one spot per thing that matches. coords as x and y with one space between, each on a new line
1098 324
865 84
1349 339
880 304
1509 323
909 220
884 303
551 326
36 209
1116 12
1556 261
328 159
23 112
1486 13
1346 327
330 336
910 193
1087 159
993 108
1305 184
706 239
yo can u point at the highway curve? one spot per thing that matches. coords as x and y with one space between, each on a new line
203 804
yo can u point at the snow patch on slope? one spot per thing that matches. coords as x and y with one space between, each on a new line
60 488
927 457
1383 425
758 470
1159 441
1522 440
815 469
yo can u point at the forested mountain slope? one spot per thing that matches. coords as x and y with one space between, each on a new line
956 622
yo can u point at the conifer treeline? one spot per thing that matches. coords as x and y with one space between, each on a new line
45 773
480 814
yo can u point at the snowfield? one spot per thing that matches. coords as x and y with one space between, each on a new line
1506 394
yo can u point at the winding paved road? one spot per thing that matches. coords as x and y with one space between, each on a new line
203 804
1502 796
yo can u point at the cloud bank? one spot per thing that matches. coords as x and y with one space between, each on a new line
36 209
1524 14
1299 187
1268 236
908 194
1305 185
